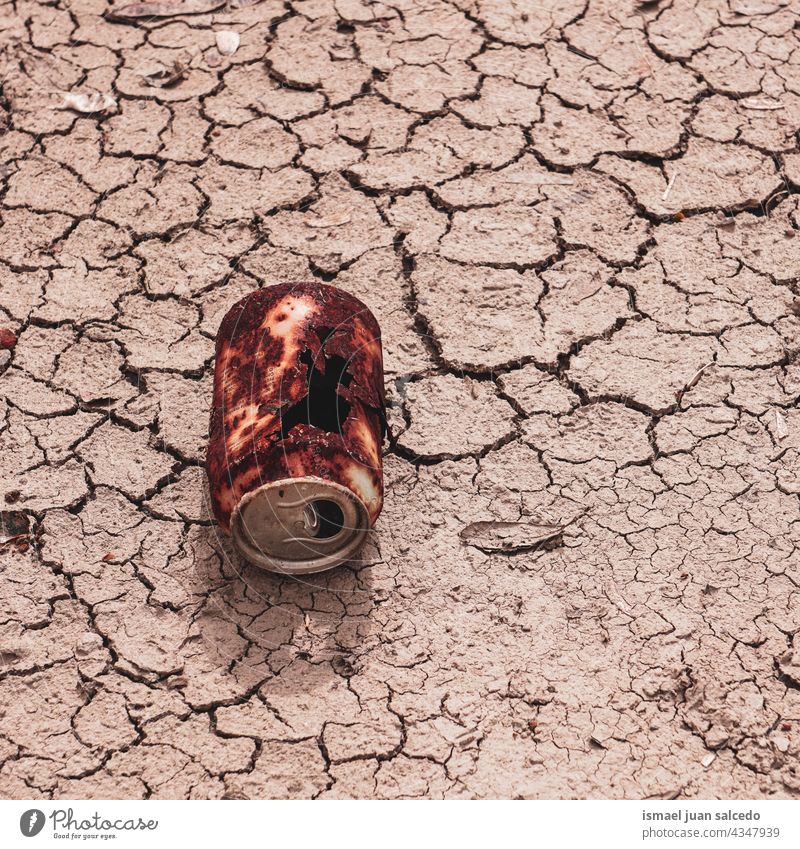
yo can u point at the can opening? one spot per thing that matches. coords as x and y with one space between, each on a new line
299 525
323 519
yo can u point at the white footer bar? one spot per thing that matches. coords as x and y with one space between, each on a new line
385 825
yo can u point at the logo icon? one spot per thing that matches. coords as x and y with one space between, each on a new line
31 822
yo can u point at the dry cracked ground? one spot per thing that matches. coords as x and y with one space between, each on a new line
579 226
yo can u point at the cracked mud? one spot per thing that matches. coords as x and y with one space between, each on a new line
577 223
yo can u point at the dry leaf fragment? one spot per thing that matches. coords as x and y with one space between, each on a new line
227 42
466 737
789 664
510 537
88 103
749 8
166 77
332 221
696 377
781 743
763 105
723 220
163 10
781 428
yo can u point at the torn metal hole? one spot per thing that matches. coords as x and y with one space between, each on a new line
323 407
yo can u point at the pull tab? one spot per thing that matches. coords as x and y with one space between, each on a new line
311 520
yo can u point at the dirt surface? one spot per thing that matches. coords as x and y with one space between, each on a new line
578 225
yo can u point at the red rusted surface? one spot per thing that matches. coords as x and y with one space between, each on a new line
259 429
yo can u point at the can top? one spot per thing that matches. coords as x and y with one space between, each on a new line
299 525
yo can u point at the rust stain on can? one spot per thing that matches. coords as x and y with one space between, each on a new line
297 420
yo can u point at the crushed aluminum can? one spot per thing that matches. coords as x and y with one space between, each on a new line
297 420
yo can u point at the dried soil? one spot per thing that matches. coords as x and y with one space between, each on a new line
577 223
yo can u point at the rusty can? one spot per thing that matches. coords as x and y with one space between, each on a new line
297 420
